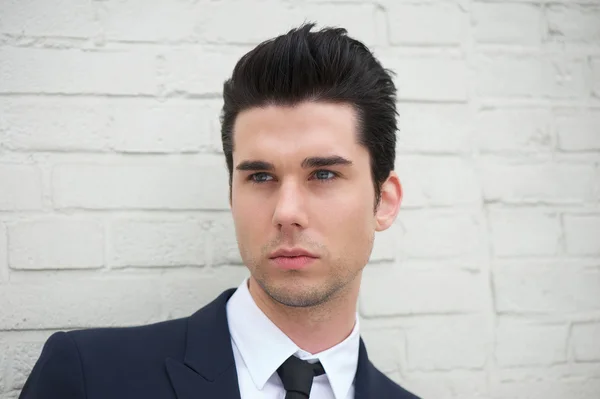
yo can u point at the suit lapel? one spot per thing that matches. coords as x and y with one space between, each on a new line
208 368
365 385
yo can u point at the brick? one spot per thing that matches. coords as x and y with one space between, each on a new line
222 240
427 24
578 130
171 126
556 290
56 244
43 124
530 76
543 388
514 130
359 19
3 366
582 234
431 128
142 125
552 183
459 384
64 18
395 290
184 292
157 243
386 347
447 343
21 187
595 84
584 342
433 234
54 302
521 343
164 21
503 23
3 256
142 186
428 78
524 232
200 69
438 181
574 23
34 70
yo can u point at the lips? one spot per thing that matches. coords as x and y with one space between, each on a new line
292 262
292 253
292 258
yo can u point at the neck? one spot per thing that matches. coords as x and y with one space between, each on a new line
316 328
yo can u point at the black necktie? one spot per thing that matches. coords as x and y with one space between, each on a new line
297 377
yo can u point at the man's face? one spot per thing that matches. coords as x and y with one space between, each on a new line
285 198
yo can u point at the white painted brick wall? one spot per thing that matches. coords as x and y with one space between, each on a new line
518 130
100 125
424 24
157 243
432 346
596 77
524 232
524 343
134 185
510 23
578 130
585 342
113 187
21 187
77 71
508 75
57 243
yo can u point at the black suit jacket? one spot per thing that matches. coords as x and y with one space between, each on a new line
189 358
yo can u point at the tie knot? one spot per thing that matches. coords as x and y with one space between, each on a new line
297 375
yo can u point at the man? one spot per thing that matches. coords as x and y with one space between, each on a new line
308 131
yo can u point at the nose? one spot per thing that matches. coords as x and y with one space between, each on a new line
290 208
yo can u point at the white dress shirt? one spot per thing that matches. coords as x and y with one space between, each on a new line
260 347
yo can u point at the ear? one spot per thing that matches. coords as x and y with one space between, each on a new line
389 203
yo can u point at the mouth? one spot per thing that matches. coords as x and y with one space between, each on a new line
292 262
292 258
292 253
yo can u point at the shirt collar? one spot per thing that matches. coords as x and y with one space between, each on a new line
264 347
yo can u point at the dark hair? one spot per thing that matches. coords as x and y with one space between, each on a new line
326 66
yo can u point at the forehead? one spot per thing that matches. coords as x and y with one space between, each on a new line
311 126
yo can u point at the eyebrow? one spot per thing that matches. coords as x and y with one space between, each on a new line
307 163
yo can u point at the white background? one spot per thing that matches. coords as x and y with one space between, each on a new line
113 187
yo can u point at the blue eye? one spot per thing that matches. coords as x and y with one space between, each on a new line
324 175
260 177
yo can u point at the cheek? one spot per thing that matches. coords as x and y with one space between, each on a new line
354 205
350 219
249 219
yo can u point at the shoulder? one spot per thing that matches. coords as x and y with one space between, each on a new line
119 334
102 360
153 340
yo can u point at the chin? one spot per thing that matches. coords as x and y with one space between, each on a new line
297 300
295 291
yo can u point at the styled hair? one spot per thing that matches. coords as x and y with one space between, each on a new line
323 66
